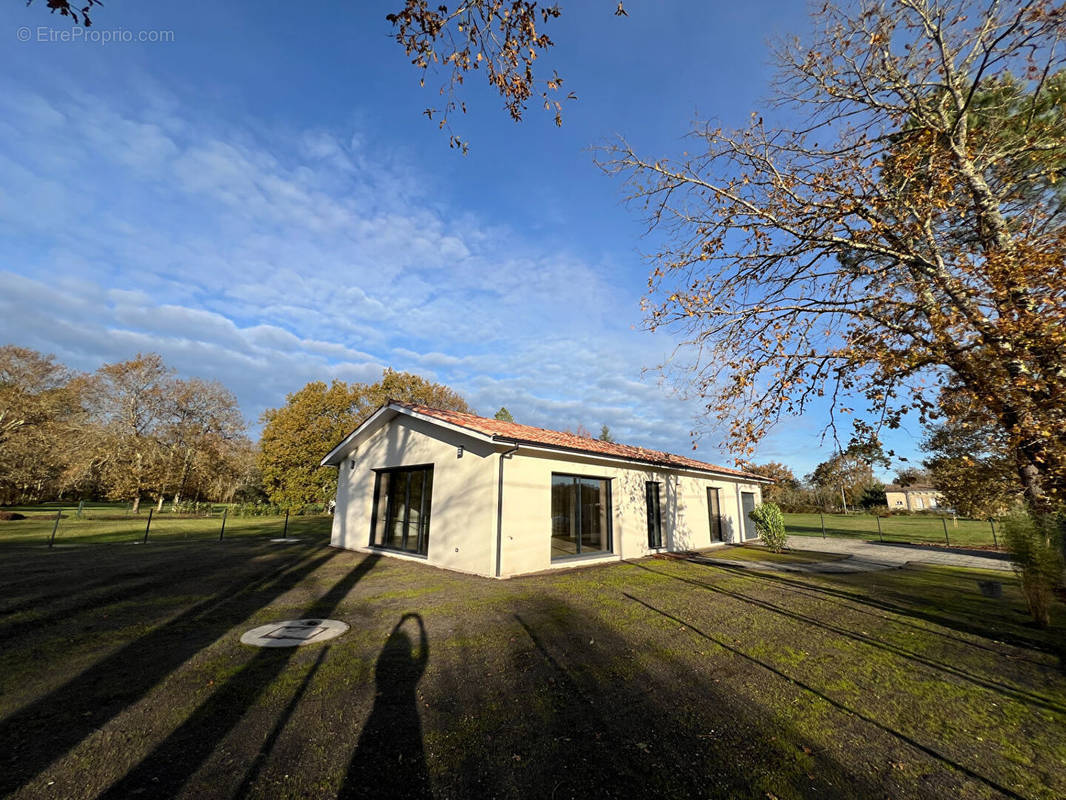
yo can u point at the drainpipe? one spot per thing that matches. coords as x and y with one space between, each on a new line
499 508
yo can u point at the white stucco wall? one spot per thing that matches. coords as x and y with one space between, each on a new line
683 499
463 522
463 514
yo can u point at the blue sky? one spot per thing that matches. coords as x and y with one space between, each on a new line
261 201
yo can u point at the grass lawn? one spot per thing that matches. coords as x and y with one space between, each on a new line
121 675
916 528
754 552
108 522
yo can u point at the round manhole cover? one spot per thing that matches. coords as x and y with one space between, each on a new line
294 632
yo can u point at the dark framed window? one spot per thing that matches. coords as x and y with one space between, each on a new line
400 519
715 513
581 515
747 505
655 517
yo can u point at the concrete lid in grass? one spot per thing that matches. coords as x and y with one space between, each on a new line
294 632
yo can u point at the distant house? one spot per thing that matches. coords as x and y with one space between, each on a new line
498 499
915 497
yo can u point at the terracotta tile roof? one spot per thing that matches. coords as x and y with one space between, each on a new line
527 434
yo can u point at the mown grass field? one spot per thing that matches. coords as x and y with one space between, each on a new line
756 552
111 523
121 675
916 529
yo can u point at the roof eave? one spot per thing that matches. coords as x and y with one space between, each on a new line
335 456
553 448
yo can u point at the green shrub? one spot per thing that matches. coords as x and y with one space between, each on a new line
1034 547
770 523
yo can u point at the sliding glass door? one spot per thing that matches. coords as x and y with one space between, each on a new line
401 513
581 516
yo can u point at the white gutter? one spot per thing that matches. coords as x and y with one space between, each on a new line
647 464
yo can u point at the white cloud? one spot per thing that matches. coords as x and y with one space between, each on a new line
271 259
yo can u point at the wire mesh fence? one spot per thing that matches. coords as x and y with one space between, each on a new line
915 529
111 524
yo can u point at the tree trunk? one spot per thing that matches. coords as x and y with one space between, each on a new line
1032 480
159 505
136 504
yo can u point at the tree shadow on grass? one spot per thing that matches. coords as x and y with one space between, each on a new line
573 707
389 760
991 684
164 771
976 622
937 756
38 734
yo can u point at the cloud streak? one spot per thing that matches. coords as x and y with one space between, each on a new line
268 260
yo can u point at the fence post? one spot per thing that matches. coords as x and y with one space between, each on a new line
946 539
285 531
880 536
55 527
995 543
821 516
223 531
149 525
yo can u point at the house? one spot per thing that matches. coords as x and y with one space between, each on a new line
914 497
499 499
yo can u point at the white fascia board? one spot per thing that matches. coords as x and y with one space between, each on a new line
635 462
337 454
484 437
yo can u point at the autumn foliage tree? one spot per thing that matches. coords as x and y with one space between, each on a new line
131 429
785 485
315 418
843 478
969 461
501 39
41 417
906 230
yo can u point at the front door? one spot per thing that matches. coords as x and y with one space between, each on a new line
747 504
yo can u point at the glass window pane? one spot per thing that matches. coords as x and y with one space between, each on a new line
593 515
427 495
564 516
747 503
414 513
402 505
715 514
397 509
381 507
655 521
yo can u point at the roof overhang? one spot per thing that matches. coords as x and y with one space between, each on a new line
390 411
721 473
387 413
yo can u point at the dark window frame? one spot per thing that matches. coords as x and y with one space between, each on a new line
745 519
655 515
424 510
609 550
714 514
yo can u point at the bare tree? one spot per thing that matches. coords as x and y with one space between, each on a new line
130 408
907 232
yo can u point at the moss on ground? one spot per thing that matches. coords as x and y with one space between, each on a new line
120 671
